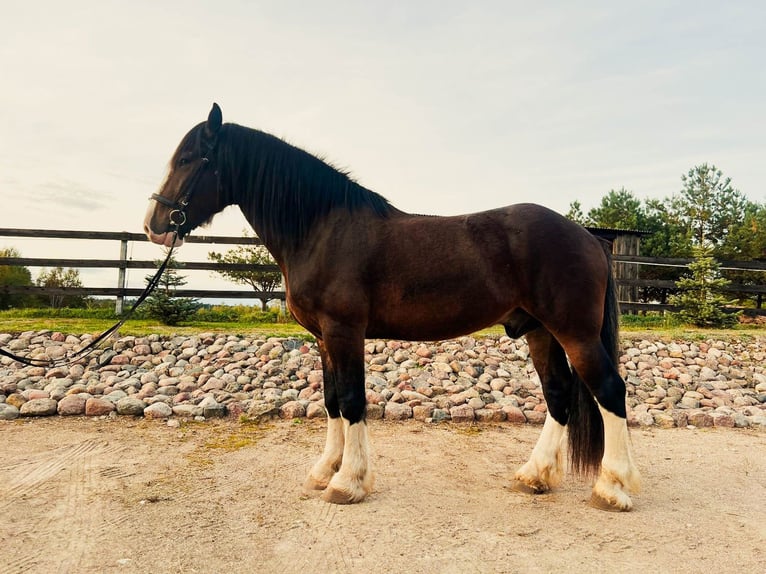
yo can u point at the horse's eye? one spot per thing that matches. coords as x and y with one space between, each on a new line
182 162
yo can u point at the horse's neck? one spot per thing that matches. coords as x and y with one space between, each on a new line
285 193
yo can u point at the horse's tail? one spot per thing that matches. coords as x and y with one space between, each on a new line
585 425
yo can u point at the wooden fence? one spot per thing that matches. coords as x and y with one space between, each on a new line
629 286
120 291
626 267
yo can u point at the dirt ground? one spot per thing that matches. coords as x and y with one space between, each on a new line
135 496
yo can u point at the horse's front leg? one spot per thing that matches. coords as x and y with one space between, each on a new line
343 364
329 463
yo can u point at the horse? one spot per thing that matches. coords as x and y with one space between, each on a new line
356 267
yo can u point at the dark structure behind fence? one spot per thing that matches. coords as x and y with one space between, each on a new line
625 248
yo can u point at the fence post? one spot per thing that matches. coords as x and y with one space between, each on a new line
283 302
121 276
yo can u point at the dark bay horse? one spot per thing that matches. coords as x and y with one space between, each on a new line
356 267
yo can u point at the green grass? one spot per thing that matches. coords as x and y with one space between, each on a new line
252 323
79 321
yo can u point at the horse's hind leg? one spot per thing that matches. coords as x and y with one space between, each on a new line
544 469
618 474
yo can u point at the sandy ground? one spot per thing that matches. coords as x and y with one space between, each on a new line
85 495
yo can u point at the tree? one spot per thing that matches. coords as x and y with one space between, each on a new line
700 298
61 278
746 238
163 305
575 213
619 209
258 278
13 276
708 205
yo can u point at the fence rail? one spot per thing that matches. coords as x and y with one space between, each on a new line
121 236
135 292
132 264
123 263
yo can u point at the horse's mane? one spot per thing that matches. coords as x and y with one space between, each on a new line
283 190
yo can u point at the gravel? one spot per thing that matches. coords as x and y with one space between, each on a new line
491 379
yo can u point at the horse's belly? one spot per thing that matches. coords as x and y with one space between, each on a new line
435 316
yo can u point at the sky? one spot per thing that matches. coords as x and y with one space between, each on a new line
443 107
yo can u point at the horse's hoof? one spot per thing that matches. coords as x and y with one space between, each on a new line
335 495
524 488
614 504
313 484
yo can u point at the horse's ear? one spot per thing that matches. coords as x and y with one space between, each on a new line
214 120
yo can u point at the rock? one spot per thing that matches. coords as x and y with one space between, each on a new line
8 412
96 407
664 420
439 415
292 410
187 410
116 396
235 410
718 383
258 410
514 414
38 408
397 411
18 345
16 400
707 374
158 410
106 357
535 417
644 419
489 415
316 410
681 418
423 412
700 419
72 405
130 406
212 409
462 414
690 402
723 420
476 403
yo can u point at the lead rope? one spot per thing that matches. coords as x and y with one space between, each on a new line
92 346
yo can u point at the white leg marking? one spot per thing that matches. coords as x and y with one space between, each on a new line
330 461
618 473
544 468
354 479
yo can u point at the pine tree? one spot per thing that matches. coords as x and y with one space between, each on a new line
700 298
163 305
